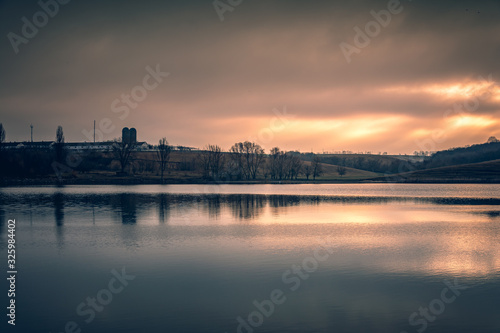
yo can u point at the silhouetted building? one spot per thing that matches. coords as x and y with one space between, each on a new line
129 135
125 135
133 135
49 145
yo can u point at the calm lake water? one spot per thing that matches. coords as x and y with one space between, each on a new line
255 258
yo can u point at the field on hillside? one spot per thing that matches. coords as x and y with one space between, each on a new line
474 172
330 173
186 165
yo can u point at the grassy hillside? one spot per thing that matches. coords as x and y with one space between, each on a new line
373 163
330 173
473 172
464 155
186 167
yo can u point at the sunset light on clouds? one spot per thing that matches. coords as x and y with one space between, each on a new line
434 67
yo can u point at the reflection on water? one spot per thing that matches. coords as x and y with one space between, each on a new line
59 209
202 259
163 207
58 199
245 206
127 206
492 213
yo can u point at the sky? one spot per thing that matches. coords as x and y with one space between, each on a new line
379 76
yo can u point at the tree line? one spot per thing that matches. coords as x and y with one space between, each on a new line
464 155
243 161
247 160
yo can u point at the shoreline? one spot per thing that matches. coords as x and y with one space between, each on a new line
146 181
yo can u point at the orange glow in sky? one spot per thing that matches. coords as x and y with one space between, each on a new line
424 73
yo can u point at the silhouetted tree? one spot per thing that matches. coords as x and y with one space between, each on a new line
283 165
341 170
2 138
212 161
234 165
2 135
307 171
249 156
295 166
317 169
59 144
163 155
490 139
275 164
122 152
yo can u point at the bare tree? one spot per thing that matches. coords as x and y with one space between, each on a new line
217 161
341 170
250 157
235 164
163 155
491 139
212 161
275 165
307 171
2 134
122 152
163 151
296 166
284 165
204 159
59 144
317 169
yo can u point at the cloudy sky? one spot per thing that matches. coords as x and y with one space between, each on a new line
301 75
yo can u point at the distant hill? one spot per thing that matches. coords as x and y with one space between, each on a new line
366 162
456 156
330 173
482 172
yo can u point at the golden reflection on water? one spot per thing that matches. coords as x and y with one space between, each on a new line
396 237
467 250
402 236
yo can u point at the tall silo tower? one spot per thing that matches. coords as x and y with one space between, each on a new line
125 135
133 135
